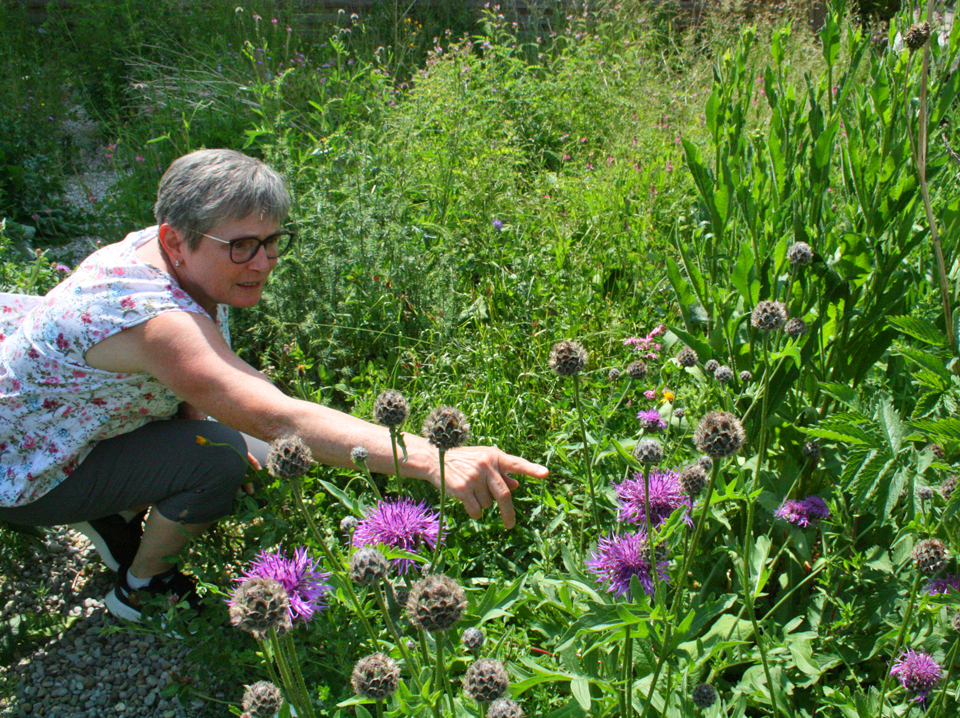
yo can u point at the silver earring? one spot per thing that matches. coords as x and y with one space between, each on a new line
177 263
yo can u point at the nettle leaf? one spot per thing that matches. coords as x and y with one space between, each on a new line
841 392
927 403
925 360
891 424
922 329
941 430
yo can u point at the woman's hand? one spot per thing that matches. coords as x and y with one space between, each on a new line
480 475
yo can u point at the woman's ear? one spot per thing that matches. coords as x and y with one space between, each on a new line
172 243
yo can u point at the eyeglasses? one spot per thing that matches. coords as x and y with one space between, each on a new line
243 249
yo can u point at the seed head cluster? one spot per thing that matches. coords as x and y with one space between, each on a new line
368 566
262 700
948 486
390 408
800 254
567 358
917 36
613 374
929 556
703 695
637 370
648 451
723 374
504 708
746 376
795 328
486 680
289 457
348 524
768 316
812 450
359 455
935 449
472 639
693 479
436 603
719 434
258 605
687 357
711 366
446 428
376 677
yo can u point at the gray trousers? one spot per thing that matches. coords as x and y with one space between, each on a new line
161 464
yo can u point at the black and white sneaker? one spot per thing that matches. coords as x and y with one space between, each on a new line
114 538
128 603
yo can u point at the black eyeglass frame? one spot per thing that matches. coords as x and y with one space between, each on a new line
290 235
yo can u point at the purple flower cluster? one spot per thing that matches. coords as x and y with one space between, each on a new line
666 496
948 583
803 513
299 576
651 421
917 672
403 524
619 558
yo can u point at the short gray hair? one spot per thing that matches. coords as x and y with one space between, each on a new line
207 187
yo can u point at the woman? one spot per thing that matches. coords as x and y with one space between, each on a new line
105 384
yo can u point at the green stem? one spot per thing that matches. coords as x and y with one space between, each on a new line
396 457
373 484
628 674
298 675
288 681
435 561
401 645
900 635
586 453
441 673
268 654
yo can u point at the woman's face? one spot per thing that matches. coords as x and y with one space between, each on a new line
209 275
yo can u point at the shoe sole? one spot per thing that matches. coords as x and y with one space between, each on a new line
119 609
98 543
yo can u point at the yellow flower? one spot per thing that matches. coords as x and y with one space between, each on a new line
202 441
667 396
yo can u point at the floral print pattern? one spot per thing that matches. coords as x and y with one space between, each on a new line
54 407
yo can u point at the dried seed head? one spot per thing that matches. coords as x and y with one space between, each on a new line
795 328
648 451
711 366
262 700
768 316
693 479
800 253
376 677
956 622
719 434
472 639
401 594
929 556
687 357
706 462
925 493
812 450
723 374
436 603
258 605
359 455
613 374
935 449
367 566
446 428
289 457
486 680
504 708
746 376
637 370
567 358
917 36
390 408
703 695
348 524
679 412
948 486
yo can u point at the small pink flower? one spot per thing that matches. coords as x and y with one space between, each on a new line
651 394
139 158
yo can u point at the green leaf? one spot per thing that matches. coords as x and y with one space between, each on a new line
891 424
744 277
580 687
943 429
922 329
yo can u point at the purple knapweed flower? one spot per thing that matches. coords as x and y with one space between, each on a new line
403 524
941 586
304 584
917 672
666 496
803 513
620 557
497 225
651 420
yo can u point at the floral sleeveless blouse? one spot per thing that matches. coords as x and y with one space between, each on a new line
54 407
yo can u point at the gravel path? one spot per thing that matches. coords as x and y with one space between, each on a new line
84 672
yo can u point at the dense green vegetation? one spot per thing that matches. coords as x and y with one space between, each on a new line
470 194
